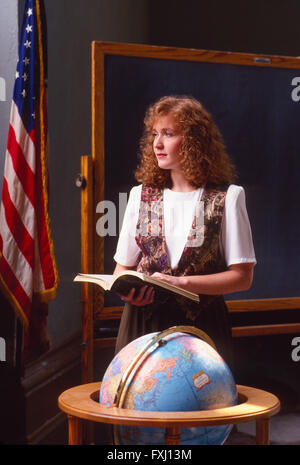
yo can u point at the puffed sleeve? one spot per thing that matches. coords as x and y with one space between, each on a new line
127 251
236 235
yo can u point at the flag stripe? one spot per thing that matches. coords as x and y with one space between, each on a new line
14 257
15 224
24 140
18 196
21 167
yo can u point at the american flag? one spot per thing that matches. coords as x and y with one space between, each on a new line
27 265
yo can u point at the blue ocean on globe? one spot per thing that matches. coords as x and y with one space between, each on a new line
181 373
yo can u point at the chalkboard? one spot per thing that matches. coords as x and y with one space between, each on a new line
254 101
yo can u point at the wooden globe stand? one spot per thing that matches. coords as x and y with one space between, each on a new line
81 403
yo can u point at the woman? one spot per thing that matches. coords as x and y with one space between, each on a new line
186 223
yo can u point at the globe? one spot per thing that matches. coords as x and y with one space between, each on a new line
175 370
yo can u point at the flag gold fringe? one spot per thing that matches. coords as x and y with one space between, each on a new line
48 294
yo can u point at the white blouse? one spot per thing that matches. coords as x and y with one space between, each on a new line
179 209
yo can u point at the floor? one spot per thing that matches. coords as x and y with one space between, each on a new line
284 430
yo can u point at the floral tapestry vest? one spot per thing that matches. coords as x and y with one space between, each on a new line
201 254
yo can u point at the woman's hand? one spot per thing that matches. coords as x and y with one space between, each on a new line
175 280
237 277
145 296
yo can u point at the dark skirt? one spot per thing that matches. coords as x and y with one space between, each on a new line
214 320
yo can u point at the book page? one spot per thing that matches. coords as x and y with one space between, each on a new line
108 278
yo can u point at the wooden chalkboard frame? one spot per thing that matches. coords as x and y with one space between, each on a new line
93 170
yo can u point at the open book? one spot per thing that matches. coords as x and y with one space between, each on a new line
125 281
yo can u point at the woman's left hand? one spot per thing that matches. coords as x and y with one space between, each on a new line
175 280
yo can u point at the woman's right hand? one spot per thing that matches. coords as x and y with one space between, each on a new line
144 297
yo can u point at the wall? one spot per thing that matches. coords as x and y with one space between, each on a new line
259 26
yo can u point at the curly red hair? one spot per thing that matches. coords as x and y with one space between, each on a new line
204 160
